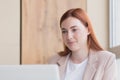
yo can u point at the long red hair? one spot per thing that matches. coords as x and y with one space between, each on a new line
83 17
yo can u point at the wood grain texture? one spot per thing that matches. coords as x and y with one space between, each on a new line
41 37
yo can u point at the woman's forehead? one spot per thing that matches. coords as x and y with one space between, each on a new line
71 22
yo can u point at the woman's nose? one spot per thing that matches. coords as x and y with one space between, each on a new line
69 35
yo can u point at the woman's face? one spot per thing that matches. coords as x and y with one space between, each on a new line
74 33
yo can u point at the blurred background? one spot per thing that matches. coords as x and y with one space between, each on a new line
30 33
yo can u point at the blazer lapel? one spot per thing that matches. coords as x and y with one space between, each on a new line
62 65
91 66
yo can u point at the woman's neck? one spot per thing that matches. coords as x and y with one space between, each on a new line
80 55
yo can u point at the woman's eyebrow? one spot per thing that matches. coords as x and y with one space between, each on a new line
70 27
63 29
73 26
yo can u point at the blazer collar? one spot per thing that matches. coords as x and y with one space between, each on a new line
63 60
62 65
91 66
92 58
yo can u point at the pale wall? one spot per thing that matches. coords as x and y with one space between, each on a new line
98 10
9 31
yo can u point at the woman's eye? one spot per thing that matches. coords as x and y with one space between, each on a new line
64 32
74 30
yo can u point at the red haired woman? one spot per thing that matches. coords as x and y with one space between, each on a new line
83 58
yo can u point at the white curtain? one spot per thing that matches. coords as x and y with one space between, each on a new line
114 23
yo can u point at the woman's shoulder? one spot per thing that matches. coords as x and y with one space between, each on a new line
105 54
102 56
54 59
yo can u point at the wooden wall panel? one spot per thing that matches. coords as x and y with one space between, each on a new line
41 36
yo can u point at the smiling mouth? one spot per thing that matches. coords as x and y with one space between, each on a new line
70 43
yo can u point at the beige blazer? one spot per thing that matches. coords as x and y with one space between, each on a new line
101 65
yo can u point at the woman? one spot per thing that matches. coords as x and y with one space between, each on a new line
83 58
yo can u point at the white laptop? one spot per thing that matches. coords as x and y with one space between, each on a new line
29 72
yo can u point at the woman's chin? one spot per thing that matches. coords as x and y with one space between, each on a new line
73 48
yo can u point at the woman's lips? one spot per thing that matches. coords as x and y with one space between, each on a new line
70 43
